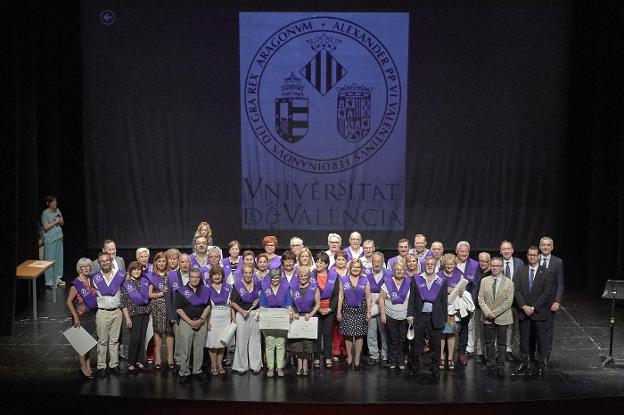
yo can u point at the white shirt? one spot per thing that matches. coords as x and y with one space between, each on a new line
395 311
105 301
509 261
462 266
547 258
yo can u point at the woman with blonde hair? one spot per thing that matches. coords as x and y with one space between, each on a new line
161 309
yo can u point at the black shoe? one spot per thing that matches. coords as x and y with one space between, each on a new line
413 371
523 367
202 377
509 357
372 362
176 369
356 368
385 363
540 371
470 355
488 368
184 379
500 372
101 373
116 370
435 373
479 358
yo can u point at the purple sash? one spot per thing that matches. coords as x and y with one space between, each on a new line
238 276
105 290
195 262
472 268
85 293
304 303
454 279
375 286
276 262
347 251
428 295
157 281
397 296
294 281
138 297
174 281
193 298
275 299
246 296
258 278
221 298
355 294
328 290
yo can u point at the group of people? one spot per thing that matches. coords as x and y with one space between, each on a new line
419 301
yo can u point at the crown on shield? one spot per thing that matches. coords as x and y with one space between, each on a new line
292 86
323 42
354 90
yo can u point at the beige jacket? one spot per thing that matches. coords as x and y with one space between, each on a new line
501 307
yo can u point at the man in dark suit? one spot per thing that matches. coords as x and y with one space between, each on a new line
427 309
511 265
554 265
533 290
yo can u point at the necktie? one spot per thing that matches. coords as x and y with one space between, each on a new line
531 278
545 262
507 270
494 289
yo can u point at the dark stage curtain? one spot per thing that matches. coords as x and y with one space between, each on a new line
44 154
554 100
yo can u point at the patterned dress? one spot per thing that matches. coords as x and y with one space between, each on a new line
354 319
86 315
159 310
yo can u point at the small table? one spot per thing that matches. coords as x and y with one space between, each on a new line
30 270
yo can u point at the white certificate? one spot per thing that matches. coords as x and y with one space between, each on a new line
80 339
301 329
274 319
460 286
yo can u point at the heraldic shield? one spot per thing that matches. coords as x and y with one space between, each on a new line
354 108
291 111
291 118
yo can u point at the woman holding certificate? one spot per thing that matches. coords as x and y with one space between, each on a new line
134 300
452 275
82 304
306 302
220 318
354 310
244 297
393 298
275 294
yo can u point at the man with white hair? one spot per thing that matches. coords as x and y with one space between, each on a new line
376 280
367 260
511 265
354 250
296 245
554 265
469 267
333 242
436 250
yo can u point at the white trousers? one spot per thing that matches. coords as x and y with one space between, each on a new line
248 353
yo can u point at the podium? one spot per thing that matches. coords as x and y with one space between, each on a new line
613 290
31 270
